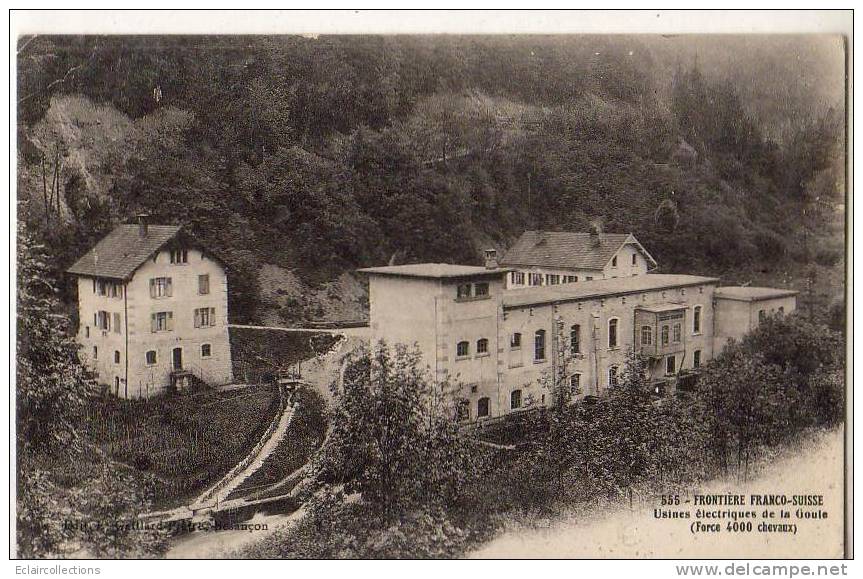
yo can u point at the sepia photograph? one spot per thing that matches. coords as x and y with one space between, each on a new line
442 295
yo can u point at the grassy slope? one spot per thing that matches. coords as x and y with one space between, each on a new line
259 354
184 443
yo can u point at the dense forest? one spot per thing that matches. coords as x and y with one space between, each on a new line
317 155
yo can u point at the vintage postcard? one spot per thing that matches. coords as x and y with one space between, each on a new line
309 295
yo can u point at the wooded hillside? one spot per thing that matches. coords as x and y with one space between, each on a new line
320 155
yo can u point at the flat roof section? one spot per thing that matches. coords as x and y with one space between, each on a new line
602 288
435 270
752 294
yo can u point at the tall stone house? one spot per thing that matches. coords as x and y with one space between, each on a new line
153 311
543 258
497 348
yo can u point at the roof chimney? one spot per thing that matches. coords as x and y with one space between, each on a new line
142 224
595 234
491 259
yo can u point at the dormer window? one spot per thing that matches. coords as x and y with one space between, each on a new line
463 291
480 290
179 256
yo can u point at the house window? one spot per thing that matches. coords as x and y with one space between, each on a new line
646 335
462 349
517 278
589 278
206 350
205 317
575 383
162 321
116 385
515 341
634 259
515 399
161 287
664 335
696 320
552 279
614 261
539 345
482 346
575 339
534 279
482 407
676 333
103 320
570 279
179 256
204 284
612 376
670 365
480 290
116 323
151 358
612 333
463 291
761 316
95 353
116 356
696 358
86 331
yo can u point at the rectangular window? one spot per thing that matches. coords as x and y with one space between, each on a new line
179 256
676 333
664 335
696 359
205 350
162 322
589 278
539 345
670 365
515 341
116 323
515 399
204 284
103 320
86 331
205 317
151 358
95 352
646 335
575 383
575 339
480 290
161 287
570 279
462 349
634 259
535 279
612 376
517 278
612 333
696 320
463 291
552 279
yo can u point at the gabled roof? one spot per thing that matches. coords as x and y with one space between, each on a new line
123 251
434 270
568 250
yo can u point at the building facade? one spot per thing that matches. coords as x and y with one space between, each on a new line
500 350
153 311
541 258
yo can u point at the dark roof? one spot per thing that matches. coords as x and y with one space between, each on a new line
123 251
601 288
752 294
434 270
568 250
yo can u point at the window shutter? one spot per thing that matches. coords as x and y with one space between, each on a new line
152 322
212 316
117 323
170 324
169 290
197 318
152 288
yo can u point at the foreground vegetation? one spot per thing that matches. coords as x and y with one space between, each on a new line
397 478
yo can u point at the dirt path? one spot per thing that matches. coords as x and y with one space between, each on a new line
816 469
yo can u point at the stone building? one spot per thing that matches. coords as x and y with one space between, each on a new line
153 311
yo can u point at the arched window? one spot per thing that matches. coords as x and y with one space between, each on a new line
696 320
482 407
612 376
646 335
575 339
462 349
612 333
664 335
482 346
116 356
539 345
515 399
